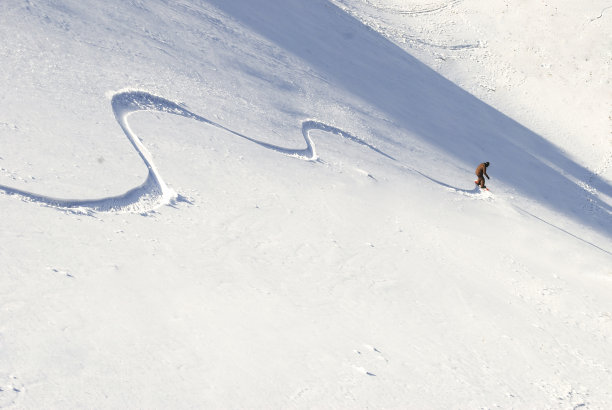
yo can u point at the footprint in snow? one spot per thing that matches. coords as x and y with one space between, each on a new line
371 358
10 389
61 272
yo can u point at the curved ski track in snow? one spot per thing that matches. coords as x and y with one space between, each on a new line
601 14
415 11
154 192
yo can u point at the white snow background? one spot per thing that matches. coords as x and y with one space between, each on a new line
270 204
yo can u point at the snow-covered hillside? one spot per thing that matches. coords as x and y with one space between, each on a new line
270 204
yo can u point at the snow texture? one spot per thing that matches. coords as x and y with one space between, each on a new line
270 204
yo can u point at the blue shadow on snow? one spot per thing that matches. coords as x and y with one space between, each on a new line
418 99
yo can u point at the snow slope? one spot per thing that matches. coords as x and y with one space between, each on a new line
259 204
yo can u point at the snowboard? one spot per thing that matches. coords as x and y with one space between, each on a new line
476 182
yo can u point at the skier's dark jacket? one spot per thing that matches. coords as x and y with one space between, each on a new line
482 169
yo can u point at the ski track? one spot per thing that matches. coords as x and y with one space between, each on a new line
154 192
601 14
415 11
452 47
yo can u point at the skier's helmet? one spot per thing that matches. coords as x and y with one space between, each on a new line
486 164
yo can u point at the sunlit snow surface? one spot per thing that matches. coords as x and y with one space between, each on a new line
259 204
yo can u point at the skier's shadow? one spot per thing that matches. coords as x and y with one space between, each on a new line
467 191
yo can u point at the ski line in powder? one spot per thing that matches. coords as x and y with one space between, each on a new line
154 192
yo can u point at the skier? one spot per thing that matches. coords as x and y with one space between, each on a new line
482 169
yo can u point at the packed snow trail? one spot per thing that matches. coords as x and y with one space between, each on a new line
154 192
